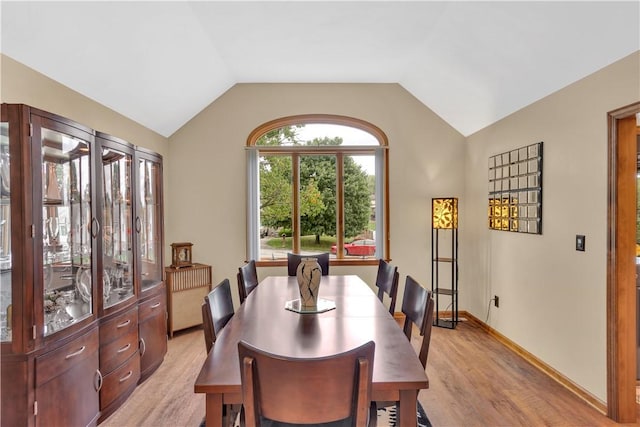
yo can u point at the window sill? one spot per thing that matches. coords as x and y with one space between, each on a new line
337 262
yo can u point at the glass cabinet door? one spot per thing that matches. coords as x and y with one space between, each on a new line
67 228
149 222
5 236
117 223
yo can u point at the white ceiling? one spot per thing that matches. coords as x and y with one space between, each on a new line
472 63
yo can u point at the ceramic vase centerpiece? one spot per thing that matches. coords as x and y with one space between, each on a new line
308 275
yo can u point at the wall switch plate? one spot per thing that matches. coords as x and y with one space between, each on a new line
580 242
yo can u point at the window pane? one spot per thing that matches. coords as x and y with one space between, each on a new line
349 135
5 234
359 206
66 232
318 214
150 230
275 206
117 222
317 134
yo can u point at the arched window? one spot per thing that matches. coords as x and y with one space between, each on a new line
317 183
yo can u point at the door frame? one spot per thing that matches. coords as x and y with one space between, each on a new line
621 289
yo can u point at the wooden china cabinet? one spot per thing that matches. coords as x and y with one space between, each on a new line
152 306
80 268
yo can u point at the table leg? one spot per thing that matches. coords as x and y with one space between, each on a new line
214 410
407 408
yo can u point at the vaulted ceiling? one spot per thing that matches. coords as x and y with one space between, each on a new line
472 63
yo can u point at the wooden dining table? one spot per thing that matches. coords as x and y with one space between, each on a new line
358 317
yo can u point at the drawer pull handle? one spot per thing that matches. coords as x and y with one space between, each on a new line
143 347
126 377
156 305
125 348
97 380
69 356
123 324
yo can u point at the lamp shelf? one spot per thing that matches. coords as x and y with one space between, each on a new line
445 291
441 259
443 323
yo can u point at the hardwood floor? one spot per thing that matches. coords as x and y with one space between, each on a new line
474 381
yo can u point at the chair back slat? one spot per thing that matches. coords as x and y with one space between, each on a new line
220 307
426 336
417 306
387 283
247 279
207 325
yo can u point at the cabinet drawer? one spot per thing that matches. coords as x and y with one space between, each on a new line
56 362
116 352
119 326
152 307
119 381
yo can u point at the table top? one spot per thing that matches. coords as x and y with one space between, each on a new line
359 317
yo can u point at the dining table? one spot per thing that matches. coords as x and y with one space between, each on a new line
350 315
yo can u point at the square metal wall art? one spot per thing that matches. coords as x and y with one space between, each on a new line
515 190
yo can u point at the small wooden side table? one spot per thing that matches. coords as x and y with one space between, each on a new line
186 289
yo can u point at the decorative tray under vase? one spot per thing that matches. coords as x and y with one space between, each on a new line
322 306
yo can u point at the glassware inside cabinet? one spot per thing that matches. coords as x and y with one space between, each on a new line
150 223
5 235
117 221
66 230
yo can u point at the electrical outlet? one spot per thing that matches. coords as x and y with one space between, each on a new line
496 300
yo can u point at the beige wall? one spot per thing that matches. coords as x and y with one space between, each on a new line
22 85
208 168
552 298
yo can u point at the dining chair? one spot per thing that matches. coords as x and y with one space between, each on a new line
217 310
335 389
417 307
294 259
219 305
247 279
387 283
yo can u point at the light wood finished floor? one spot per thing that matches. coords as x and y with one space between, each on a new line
474 381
